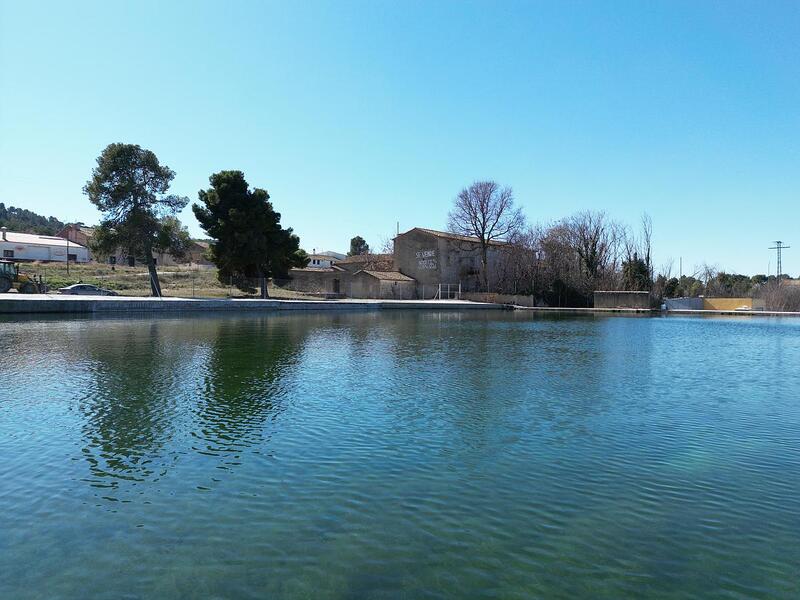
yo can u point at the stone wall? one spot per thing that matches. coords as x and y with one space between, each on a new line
433 259
317 281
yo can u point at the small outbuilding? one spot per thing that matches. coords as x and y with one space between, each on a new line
383 284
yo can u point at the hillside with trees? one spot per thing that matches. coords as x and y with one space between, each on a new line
26 221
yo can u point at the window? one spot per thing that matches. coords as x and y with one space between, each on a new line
112 260
8 254
72 257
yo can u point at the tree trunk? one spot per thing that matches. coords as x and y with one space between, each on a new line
264 291
155 285
485 262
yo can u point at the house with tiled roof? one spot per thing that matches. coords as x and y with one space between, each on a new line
434 258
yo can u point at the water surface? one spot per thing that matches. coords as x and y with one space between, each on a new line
400 455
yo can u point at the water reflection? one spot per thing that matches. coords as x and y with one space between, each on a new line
399 455
165 389
129 403
242 383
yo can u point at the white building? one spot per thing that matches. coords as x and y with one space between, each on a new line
320 261
28 246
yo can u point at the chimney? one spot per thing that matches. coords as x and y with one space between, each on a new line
4 229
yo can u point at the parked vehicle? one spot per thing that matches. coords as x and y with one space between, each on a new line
86 289
10 277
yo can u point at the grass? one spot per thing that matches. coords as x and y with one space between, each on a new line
176 281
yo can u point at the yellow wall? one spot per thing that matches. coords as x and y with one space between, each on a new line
731 303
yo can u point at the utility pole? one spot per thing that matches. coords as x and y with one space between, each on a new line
779 247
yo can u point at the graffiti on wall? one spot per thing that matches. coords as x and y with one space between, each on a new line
426 259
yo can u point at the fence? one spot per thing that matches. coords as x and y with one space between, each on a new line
175 281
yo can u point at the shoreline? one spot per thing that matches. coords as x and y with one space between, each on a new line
659 312
38 304
14 304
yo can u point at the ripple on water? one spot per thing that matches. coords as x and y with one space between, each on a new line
453 455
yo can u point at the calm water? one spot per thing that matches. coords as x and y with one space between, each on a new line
400 455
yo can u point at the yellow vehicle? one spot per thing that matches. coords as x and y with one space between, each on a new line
10 277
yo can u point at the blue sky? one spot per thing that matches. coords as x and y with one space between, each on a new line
356 115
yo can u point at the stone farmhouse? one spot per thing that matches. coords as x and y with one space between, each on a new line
423 261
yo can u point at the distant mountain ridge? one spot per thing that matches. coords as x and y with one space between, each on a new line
22 220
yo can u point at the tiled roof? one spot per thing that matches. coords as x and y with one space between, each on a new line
318 269
454 236
38 240
359 258
388 275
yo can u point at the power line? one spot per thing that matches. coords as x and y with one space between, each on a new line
779 247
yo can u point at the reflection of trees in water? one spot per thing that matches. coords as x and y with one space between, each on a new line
242 385
217 377
128 406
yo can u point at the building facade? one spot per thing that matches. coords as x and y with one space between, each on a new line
29 247
320 261
436 257
82 234
388 285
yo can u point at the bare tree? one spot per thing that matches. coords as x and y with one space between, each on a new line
647 243
386 244
594 237
486 211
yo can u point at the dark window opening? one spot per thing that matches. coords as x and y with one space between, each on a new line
8 254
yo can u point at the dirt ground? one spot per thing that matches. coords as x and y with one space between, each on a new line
176 281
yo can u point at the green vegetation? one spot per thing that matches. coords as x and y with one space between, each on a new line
129 186
26 221
636 274
248 245
358 246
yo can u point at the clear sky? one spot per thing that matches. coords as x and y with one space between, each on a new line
356 115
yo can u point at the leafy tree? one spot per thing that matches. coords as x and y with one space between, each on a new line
671 287
358 246
129 186
173 237
636 274
248 241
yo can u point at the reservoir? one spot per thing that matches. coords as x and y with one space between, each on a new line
400 454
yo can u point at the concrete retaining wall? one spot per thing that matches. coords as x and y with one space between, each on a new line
714 303
684 303
514 299
621 299
732 303
21 304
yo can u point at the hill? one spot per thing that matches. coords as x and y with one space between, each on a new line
26 221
